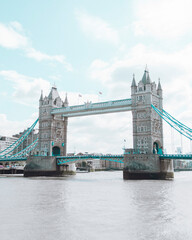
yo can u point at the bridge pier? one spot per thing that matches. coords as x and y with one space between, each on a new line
147 166
46 166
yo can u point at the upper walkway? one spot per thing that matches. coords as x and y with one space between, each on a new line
90 108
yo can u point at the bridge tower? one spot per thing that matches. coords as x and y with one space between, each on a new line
147 125
52 129
144 162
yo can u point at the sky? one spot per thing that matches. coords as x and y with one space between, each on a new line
86 47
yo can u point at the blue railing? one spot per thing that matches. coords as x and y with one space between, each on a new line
67 159
17 143
176 156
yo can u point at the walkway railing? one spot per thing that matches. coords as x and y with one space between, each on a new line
176 156
15 159
67 159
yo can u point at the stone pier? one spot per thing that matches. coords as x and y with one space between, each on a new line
46 166
147 166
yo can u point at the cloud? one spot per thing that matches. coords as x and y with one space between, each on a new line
39 56
11 127
12 36
162 18
26 89
97 28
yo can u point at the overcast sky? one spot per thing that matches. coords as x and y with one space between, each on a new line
86 46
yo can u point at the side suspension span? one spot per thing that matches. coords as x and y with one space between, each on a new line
174 123
16 144
26 150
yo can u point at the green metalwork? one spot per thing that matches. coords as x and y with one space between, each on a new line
17 143
178 126
16 159
26 150
67 159
176 156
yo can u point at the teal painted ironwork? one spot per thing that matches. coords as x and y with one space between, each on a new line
17 143
67 159
16 159
179 127
176 156
26 150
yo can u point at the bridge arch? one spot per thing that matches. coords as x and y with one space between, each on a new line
56 151
157 146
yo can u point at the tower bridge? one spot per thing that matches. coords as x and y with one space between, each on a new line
145 160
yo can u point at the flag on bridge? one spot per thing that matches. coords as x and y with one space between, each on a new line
80 95
100 93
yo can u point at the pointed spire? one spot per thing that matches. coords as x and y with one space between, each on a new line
53 93
133 82
66 103
41 97
146 79
159 86
54 86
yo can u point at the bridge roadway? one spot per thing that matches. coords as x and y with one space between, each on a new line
66 159
176 156
94 108
115 158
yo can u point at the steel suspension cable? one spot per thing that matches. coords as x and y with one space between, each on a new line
160 113
17 143
26 150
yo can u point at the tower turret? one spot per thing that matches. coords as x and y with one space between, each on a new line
41 98
133 85
160 93
66 103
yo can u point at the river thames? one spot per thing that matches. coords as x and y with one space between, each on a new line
98 205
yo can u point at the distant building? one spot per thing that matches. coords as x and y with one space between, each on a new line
97 163
179 150
33 135
5 142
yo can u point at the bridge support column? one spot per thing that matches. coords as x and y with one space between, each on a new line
147 166
45 166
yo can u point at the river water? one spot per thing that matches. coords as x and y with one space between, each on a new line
95 206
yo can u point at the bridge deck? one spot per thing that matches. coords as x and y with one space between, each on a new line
94 108
176 156
9 159
66 159
116 158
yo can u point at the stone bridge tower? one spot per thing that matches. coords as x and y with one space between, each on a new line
147 125
52 129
